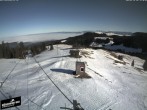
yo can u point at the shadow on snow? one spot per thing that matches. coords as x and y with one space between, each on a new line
63 71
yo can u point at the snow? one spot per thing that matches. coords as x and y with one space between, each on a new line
94 44
112 86
102 45
102 38
63 41
110 34
99 32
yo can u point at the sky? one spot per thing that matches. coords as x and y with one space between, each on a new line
22 17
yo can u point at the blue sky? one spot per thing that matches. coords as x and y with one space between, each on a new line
24 17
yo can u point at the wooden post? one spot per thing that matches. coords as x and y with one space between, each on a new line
76 106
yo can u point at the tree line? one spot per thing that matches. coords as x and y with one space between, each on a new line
7 52
83 40
20 50
136 40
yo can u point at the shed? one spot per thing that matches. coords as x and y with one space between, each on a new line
80 68
75 53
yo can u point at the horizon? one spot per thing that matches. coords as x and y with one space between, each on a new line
41 37
68 32
26 17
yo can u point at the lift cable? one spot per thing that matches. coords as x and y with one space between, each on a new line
3 94
78 105
15 88
29 98
17 82
28 95
27 81
6 98
6 79
9 74
53 81
36 104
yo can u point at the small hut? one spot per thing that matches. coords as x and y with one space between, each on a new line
75 53
80 68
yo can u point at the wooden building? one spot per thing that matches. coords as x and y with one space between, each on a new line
80 68
75 53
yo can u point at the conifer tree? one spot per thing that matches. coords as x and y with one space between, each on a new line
51 47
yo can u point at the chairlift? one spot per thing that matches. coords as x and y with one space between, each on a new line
76 106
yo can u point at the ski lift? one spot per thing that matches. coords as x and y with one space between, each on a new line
28 53
76 106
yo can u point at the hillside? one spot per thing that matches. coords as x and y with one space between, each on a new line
112 86
137 40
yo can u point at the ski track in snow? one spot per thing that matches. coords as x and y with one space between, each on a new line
116 87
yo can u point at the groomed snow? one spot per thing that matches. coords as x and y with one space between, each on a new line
112 86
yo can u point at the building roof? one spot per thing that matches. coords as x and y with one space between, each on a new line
80 63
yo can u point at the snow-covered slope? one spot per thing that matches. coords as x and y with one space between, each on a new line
113 85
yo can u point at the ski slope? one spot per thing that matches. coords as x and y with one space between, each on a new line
112 86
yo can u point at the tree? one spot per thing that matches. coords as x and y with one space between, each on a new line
132 64
21 49
7 49
1 53
51 47
43 46
145 65
3 49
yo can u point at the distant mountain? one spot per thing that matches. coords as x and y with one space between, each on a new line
135 40
119 33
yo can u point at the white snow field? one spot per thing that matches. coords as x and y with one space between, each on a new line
112 86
